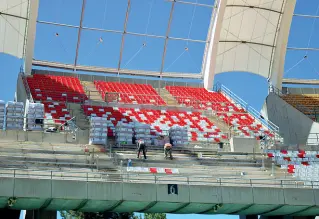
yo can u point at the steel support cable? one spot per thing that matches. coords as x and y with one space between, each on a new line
149 19
100 41
295 65
175 60
135 54
191 57
191 24
314 68
186 49
104 16
145 39
312 30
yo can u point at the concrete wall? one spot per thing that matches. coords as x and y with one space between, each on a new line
294 126
132 197
248 145
38 136
21 94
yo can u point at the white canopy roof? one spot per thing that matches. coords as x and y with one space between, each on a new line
13 24
248 36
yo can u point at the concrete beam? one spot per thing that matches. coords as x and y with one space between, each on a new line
41 214
248 216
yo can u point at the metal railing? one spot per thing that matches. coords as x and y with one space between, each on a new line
157 179
252 111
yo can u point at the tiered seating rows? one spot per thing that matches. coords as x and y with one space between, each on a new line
200 128
308 104
53 92
128 93
56 88
56 111
201 98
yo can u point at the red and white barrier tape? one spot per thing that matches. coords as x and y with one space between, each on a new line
153 170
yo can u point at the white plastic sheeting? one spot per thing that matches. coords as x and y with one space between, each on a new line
13 24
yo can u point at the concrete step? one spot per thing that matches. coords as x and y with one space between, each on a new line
167 97
77 112
91 91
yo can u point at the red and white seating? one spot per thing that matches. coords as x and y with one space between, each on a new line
56 88
288 157
56 111
128 93
231 114
199 127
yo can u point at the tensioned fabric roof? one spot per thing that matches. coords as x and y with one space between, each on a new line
13 25
248 36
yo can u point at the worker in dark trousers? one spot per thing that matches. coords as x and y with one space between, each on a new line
141 147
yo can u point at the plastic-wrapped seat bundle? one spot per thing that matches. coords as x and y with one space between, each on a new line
143 131
14 115
179 135
34 116
98 130
2 113
124 133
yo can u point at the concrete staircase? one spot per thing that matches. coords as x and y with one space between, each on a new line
80 119
168 98
218 122
91 91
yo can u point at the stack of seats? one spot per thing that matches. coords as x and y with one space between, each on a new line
302 164
143 131
297 157
308 104
2 113
56 112
233 115
35 116
98 131
14 115
124 133
179 135
199 127
128 93
56 88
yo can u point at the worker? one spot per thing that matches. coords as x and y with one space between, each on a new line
168 150
141 147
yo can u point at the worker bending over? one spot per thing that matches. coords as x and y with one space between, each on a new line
168 150
141 147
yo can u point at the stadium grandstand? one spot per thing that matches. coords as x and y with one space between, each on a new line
99 77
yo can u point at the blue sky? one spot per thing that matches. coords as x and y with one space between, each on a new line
252 88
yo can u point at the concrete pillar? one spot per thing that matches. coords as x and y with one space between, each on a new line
7 213
41 214
248 216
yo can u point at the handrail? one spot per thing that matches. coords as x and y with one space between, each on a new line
157 178
26 86
270 125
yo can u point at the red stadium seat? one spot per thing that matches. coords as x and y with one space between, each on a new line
128 93
200 98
